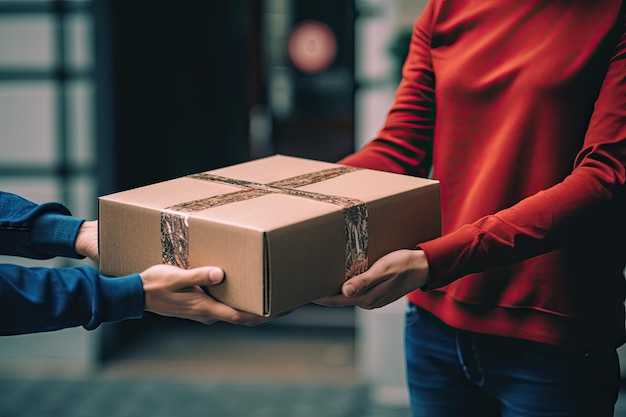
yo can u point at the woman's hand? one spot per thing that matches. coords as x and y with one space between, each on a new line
388 279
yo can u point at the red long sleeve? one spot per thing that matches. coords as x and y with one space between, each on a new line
521 107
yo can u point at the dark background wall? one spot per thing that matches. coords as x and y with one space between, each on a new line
176 84
183 76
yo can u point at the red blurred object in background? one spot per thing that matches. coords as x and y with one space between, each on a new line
312 46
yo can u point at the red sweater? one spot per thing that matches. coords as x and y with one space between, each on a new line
520 107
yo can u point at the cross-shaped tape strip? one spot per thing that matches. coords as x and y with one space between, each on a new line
174 226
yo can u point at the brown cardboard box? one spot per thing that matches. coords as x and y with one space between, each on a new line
285 230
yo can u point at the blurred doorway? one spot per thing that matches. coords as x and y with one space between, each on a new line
178 79
190 86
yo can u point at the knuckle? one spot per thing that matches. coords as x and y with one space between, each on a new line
363 284
237 319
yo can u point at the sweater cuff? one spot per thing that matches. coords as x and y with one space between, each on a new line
447 257
123 298
55 234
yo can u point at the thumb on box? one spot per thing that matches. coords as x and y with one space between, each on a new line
206 275
355 286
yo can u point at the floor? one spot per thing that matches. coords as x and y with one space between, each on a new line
161 398
187 371
281 354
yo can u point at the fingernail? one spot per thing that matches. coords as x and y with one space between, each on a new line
348 290
216 275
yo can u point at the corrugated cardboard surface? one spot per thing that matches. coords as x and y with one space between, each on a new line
279 251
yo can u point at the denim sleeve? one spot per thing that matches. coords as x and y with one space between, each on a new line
45 299
37 231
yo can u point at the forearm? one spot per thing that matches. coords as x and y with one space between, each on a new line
594 194
47 299
37 231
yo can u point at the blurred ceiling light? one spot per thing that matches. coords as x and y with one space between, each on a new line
312 46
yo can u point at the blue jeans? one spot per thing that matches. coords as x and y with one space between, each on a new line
453 373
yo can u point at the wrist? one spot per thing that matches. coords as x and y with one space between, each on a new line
420 262
86 243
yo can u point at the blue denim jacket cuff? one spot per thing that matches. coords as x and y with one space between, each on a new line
55 234
122 299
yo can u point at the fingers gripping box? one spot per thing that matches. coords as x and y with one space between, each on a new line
285 230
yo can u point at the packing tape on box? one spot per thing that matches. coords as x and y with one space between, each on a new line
174 225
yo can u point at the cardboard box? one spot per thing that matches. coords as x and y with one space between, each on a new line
285 230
